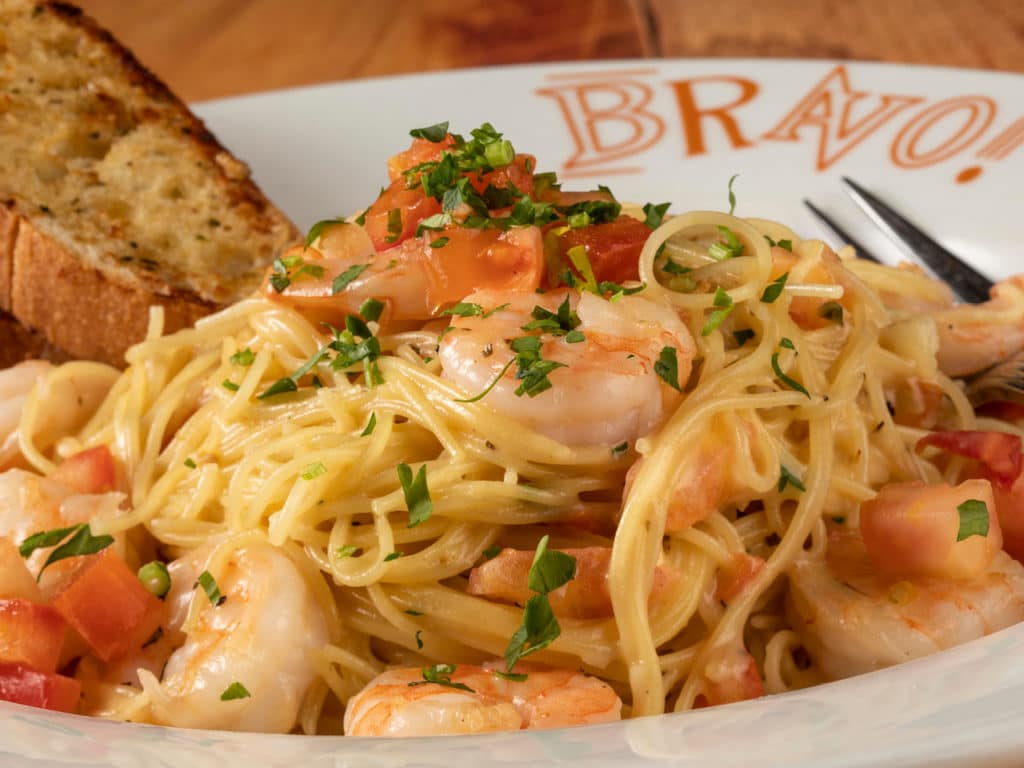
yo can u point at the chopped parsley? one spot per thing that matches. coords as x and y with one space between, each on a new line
667 367
371 310
417 495
773 290
788 478
671 268
349 550
433 133
441 242
392 556
353 345
974 519
78 540
243 357
229 385
732 196
419 640
440 674
235 691
784 244
370 425
492 552
655 214
743 336
341 281
394 225
618 451
723 301
788 381
317 229
550 570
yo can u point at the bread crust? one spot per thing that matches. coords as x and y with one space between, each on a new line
52 291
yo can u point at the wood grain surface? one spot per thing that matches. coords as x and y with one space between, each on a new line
210 48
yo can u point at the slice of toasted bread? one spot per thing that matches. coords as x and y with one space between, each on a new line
113 196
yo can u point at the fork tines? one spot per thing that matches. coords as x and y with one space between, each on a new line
969 284
844 237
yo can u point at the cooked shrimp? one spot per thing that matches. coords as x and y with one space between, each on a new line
708 475
505 576
15 385
401 703
260 636
973 337
415 280
608 390
853 618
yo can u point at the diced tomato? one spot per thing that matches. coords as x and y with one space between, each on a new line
998 451
413 205
505 577
419 152
912 530
477 259
1010 509
613 248
23 685
1003 409
30 634
108 606
734 578
1000 462
731 676
91 471
518 174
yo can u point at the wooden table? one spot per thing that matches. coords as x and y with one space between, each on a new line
210 48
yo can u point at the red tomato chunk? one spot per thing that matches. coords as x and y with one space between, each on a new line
91 471
23 685
108 606
30 634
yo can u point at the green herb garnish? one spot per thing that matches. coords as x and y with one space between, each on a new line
417 495
209 585
667 367
440 674
773 290
974 519
723 301
788 478
731 248
235 691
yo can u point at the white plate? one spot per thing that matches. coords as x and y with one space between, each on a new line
942 144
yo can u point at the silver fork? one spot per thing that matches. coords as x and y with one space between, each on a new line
1003 381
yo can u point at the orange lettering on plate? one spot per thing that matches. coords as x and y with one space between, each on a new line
692 114
608 119
829 107
909 149
1005 143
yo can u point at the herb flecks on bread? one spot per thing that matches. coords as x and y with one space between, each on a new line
113 196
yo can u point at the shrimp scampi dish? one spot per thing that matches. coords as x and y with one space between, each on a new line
493 455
